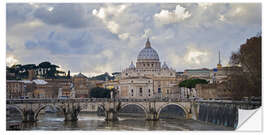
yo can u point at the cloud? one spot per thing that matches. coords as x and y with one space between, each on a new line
177 15
106 14
195 56
205 5
11 60
243 14
67 15
124 36
98 38
18 13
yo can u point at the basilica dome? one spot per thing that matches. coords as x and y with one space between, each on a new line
148 53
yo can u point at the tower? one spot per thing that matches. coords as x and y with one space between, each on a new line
219 66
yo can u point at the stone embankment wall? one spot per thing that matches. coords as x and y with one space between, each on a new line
219 114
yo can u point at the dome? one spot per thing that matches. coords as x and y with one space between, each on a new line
148 52
164 66
131 66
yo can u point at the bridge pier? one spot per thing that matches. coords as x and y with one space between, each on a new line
29 115
111 115
71 112
194 111
152 114
111 111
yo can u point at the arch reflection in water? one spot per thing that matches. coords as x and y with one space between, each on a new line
13 113
172 112
50 113
133 110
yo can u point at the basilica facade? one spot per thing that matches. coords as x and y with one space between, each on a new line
148 78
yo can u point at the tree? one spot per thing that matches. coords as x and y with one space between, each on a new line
191 83
46 69
98 92
247 82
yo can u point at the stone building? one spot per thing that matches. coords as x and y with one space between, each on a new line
49 88
82 85
63 84
148 79
221 74
14 89
213 91
203 73
42 90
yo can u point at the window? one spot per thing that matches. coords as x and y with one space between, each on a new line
159 90
149 90
152 65
167 91
140 91
131 92
126 74
148 65
144 65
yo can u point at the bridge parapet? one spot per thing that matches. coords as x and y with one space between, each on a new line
78 100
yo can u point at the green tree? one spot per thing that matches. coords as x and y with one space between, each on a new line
98 92
191 83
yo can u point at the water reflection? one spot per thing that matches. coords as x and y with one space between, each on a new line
54 121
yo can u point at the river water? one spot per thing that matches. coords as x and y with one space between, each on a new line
92 122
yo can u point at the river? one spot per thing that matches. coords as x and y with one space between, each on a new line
92 122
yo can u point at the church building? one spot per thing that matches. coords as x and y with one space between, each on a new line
148 79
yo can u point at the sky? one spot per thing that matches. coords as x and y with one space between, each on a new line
96 38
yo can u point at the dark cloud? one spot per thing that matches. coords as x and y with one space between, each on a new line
30 44
68 15
17 13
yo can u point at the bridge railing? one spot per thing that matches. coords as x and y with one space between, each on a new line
72 100
230 102
78 100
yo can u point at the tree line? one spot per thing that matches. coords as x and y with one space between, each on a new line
44 69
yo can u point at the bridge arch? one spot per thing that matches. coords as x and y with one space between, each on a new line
139 105
17 108
167 104
43 107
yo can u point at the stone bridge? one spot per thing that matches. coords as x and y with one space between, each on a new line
30 108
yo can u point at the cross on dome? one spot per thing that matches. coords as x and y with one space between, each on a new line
148 45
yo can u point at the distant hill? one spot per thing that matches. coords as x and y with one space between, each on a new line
102 77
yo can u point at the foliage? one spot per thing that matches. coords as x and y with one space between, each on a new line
21 71
191 83
98 92
247 82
